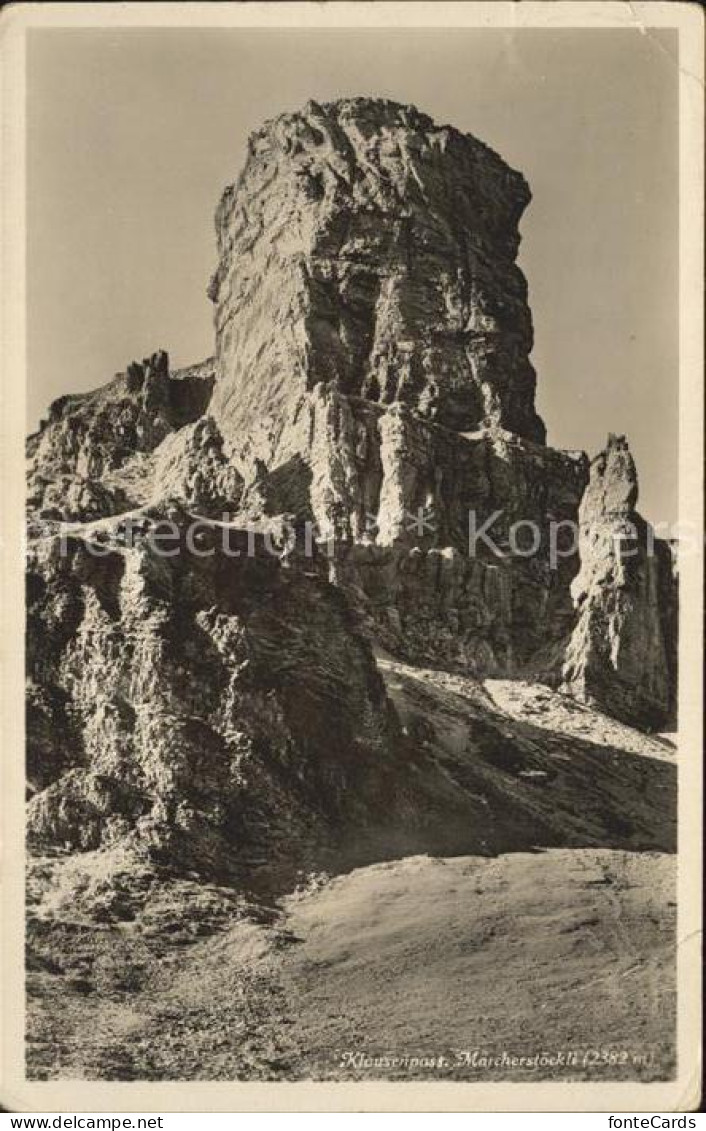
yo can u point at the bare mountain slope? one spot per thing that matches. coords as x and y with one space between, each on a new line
566 953
516 947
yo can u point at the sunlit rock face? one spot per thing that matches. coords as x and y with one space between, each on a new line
95 453
363 246
373 375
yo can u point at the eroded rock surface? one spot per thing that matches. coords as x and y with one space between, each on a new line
367 247
93 455
371 393
182 704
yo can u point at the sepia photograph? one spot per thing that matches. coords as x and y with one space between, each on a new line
360 391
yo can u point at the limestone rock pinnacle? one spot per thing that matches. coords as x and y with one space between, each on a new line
367 248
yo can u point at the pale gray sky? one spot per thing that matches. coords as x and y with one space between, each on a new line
133 134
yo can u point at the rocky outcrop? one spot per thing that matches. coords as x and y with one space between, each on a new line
365 247
422 523
358 473
622 653
180 704
191 465
217 713
92 455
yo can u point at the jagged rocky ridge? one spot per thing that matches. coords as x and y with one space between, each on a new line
371 386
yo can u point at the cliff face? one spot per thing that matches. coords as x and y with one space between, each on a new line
365 246
180 705
373 335
421 521
372 396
